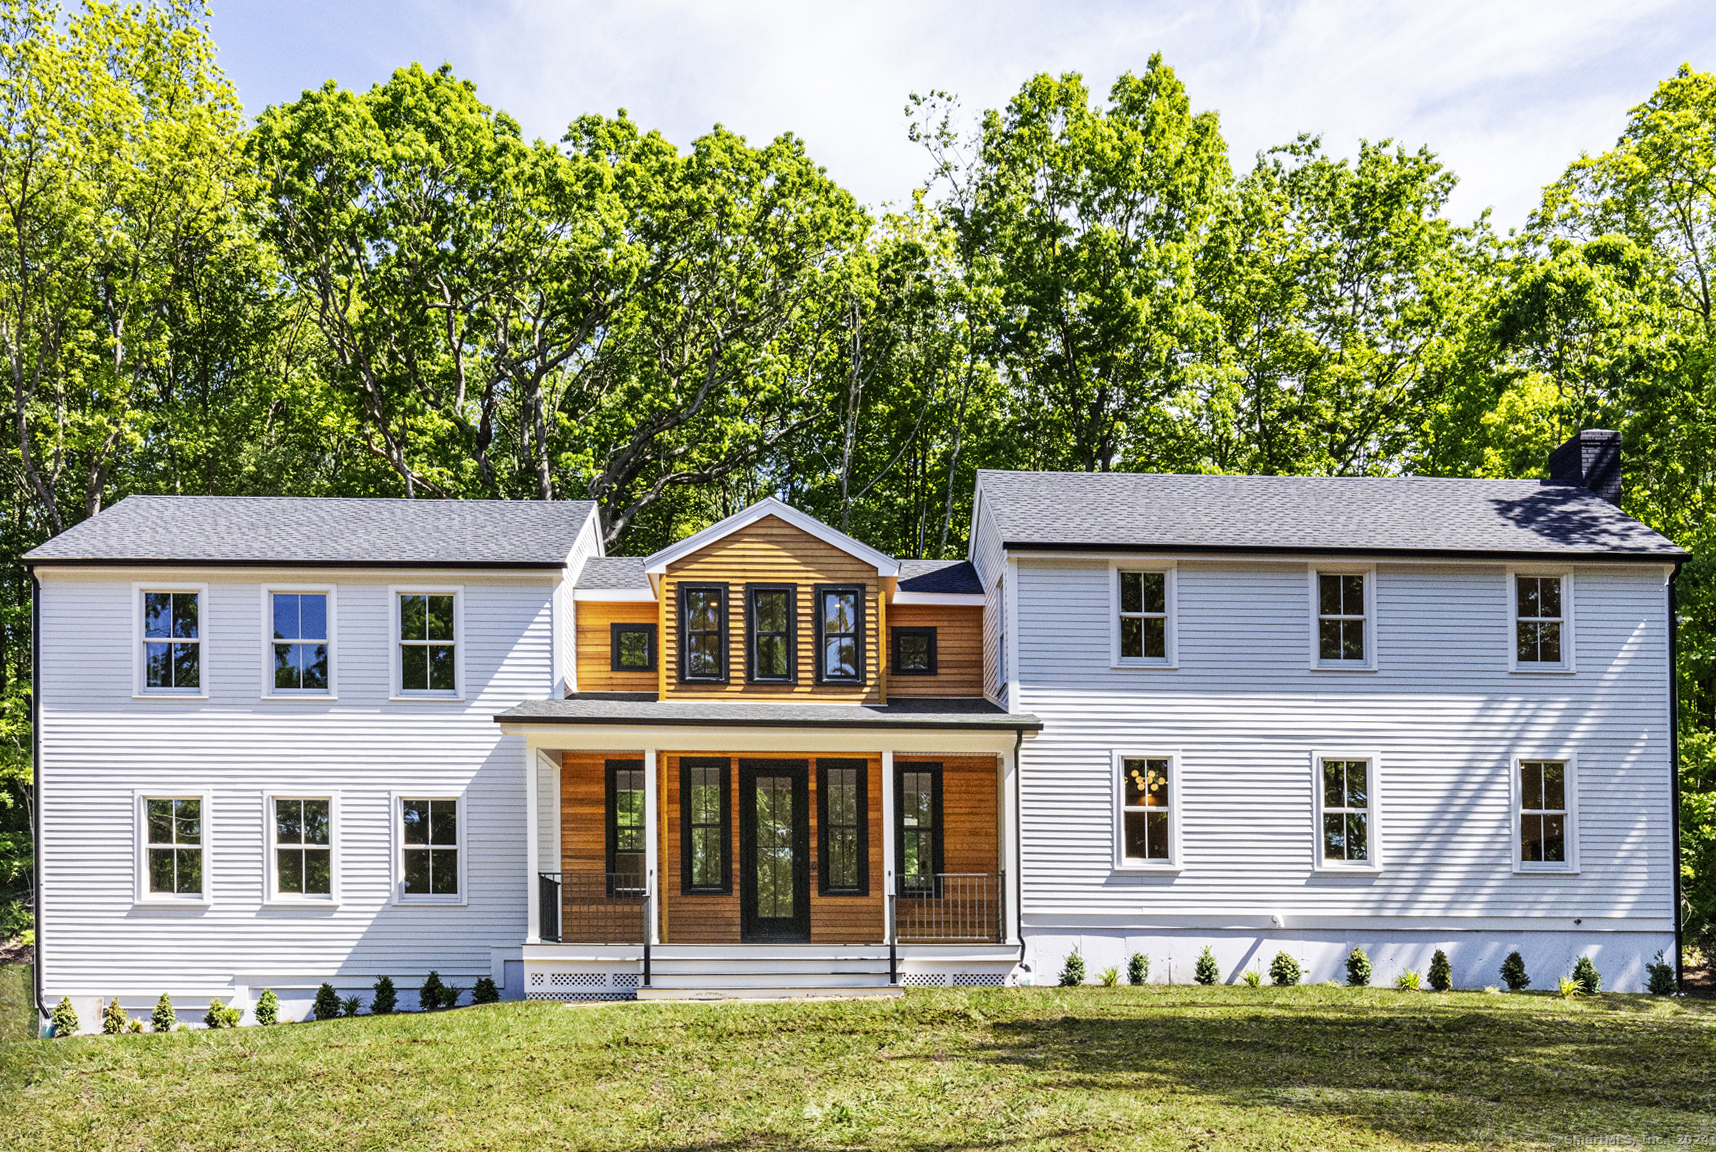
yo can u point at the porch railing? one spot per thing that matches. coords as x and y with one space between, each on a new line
593 907
949 906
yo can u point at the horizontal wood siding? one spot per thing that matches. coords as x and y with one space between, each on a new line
959 650
700 918
1246 714
595 646
772 551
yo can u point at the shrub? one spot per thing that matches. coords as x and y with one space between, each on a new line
1661 977
136 1026
1253 978
386 999
1138 969
1407 981
1585 974
429 996
268 1007
1568 989
485 992
113 1019
65 1018
1513 972
350 1006
1358 968
1284 970
1207 970
1441 972
1110 977
163 1018
327 1005
1072 972
222 1015
450 996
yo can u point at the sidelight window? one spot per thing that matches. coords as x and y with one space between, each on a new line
917 792
841 818
626 827
706 841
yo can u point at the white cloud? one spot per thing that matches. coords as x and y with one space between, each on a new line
1507 94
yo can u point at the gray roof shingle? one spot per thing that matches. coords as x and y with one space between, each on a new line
613 572
1318 514
966 715
323 531
939 576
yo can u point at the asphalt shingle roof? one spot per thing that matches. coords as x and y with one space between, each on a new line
613 572
312 530
967 715
1319 514
941 576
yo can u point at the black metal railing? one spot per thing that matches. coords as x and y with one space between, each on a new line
948 906
593 907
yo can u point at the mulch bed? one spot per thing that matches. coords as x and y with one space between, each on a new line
17 953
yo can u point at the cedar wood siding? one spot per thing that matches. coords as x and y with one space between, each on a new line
595 646
1442 710
772 552
959 650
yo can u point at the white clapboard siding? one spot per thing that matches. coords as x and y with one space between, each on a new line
100 747
1246 713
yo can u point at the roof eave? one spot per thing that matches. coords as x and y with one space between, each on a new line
1012 724
182 562
1668 557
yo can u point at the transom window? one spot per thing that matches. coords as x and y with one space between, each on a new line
706 795
1145 809
175 831
1143 615
1538 623
703 632
431 847
303 847
1543 812
771 633
918 794
914 651
1340 617
427 651
841 804
633 647
172 641
840 635
300 641
626 834
1346 811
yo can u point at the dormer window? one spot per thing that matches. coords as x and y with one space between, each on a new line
771 655
703 632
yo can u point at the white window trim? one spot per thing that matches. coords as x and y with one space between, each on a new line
1170 590
1176 801
394 592
1369 663
271 894
1523 867
396 825
1377 859
1529 667
140 838
269 692
138 690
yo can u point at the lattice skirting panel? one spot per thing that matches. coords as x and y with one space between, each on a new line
582 986
957 979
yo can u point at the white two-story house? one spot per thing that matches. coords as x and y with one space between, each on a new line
284 742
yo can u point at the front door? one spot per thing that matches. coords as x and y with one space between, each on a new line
774 849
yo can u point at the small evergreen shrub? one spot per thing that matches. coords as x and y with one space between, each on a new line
1111 977
327 1005
1585 975
1138 969
429 996
1441 972
1253 978
386 999
163 1018
1407 981
65 1018
1207 970
350 1006
1661 977
1513 972
1284 970
485 992
268 1007
1072 972
114 1021
1358 968
222 1015
450 996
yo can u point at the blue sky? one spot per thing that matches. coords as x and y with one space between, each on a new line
1507 93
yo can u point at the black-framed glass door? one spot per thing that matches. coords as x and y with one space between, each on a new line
774 849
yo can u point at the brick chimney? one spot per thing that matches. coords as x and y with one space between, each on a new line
1591 459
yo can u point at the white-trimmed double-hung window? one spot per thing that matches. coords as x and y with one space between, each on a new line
1545 802
300 643
301 835
1344 619
431 841
1349 834
428 635
1142 616
1541 607
1147 810
174 840
171 629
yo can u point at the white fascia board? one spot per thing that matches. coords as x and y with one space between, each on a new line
619 737
884 564
616 595
942 599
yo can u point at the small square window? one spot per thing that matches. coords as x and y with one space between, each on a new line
633 647
914 651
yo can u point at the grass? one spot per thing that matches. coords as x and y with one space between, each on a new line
1150 1067
17 1002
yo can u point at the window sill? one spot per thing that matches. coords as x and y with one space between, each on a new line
300 902
426 697
1332 869
313 697
429 901
1134 868
1550 670
1145 665
1544 870
164 901
1332 666
169 695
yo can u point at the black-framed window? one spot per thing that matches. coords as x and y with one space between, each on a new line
840 634
917 827
633 647
842 811
703 632
706 824
914 651
626 825
771 631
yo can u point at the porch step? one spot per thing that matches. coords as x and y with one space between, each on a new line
840 992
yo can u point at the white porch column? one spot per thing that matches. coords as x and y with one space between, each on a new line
533 909
1010 817
888 862
652 846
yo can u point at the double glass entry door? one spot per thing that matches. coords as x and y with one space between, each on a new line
774 849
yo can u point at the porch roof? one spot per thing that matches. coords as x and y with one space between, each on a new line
948 715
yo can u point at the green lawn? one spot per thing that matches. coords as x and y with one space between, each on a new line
1157 1067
